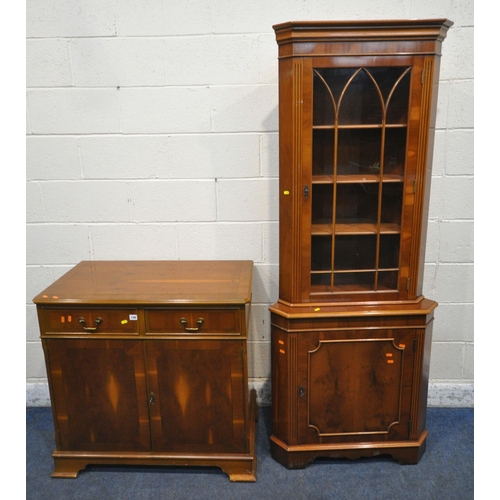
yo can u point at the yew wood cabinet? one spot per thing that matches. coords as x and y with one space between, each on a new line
351 330
147 364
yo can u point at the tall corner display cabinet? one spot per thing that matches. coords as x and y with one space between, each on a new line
351 331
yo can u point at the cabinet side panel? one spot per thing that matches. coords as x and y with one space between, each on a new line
289 169
283 372
431 85
422 378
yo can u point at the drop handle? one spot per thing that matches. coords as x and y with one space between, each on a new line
97 322
199 322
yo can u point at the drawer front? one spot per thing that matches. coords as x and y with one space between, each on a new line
90 321
199 321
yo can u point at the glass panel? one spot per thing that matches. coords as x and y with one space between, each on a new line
360 95
355 252
324 279
397 108
329 83
389 251
366 111
392 203
354 282
323 111
388 280
359 151
321 253
360 103
322 204
357 203
323 144
387 78
395 151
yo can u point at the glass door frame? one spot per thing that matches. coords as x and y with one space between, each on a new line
408 216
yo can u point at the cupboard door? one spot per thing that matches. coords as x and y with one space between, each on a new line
99 394
197 395
359 172
355 387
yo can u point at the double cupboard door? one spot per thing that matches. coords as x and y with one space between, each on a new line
148 395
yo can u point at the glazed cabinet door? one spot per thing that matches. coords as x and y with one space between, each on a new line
98 393
198 398
360 149
354 387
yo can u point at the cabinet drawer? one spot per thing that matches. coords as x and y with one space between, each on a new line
189 321
90 321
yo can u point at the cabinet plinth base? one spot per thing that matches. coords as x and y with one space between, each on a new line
240 467
300 456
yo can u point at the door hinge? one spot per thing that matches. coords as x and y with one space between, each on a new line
414 186
422 77
306 192
414 344
407 284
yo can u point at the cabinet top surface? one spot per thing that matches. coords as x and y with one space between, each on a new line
152 282
378 23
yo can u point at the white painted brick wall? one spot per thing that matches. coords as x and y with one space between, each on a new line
152 134
73 110
117 62
214 156
124 157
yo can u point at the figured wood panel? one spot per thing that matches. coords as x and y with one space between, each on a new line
99 394
199 395
355 385
345 373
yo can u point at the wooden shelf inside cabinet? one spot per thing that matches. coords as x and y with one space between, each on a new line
357 106
355 179
360 228
147 364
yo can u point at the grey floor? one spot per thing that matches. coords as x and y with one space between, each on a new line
446 471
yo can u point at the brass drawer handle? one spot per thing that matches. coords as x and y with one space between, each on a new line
200 322
97 322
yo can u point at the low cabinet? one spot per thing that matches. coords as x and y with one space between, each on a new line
147 364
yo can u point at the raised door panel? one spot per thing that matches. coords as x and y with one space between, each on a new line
98 394
354 386
198 390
